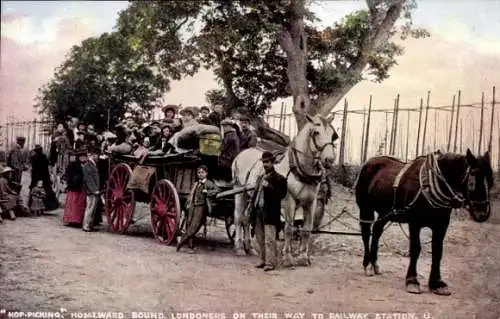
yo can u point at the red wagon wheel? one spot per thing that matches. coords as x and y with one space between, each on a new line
120 201
165 211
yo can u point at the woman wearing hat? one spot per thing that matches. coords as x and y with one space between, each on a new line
169 111
74 208
8 196
189 115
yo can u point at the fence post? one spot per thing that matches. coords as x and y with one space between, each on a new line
363 135
451 124
391 142
342 137
419 125
456 122
425 122
367 137
34 133
407 134
492 121
281 115
481 125
395 130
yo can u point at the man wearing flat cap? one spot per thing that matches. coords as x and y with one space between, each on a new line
16 160
248 138
271 189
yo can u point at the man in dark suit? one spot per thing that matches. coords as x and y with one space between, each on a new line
92 187
270 190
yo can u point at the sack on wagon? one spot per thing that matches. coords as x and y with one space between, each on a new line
191 137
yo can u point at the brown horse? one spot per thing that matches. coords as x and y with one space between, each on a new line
421 193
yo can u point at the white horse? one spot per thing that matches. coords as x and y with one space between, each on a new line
301 165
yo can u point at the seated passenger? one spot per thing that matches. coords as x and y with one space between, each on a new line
217 115
189 115
153 131
169 111
164 146
121 146
248 138
143 149
203 119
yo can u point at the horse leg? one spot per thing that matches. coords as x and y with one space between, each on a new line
412 284
239 206
366 232
305 243
378 229
436 285
288 232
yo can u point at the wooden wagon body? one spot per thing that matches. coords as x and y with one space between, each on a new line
165 183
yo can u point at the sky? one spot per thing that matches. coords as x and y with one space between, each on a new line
463 53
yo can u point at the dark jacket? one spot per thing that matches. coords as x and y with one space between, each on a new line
230 147
248 139
39 168
215 118
91 178
273 195
74 175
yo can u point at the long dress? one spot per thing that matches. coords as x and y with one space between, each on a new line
74 210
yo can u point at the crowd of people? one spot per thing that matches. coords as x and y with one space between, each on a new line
74 162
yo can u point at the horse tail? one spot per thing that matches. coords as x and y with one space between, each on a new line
361 190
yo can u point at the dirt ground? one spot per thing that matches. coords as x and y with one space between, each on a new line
46 266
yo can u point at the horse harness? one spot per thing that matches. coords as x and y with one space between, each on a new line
432 185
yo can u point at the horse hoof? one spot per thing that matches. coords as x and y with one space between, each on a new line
253 252
413 288
442 291
303 261
369 271
288 261
376 270
240 252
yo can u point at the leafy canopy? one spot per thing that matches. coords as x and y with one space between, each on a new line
100 75
238 41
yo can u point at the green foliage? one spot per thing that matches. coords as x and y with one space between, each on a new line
238 40
98 75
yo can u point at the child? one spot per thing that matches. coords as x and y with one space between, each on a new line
91 186
198 206
38 197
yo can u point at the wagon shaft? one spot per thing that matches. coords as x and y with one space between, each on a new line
234 191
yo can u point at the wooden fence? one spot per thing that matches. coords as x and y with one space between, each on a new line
35 132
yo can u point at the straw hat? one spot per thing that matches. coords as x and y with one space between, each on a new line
6 169
172 107
190 109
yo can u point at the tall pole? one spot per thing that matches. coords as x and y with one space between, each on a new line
425 122
367 137
451 124
492 121
456 121
481 125
395 125
419 125
435 129
342 137
461 137
407 134
363 136
386 131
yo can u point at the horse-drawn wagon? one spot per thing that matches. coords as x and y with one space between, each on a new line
165 183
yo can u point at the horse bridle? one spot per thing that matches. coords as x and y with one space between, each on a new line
458 196
319 149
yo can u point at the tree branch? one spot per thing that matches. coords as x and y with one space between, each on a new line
374 39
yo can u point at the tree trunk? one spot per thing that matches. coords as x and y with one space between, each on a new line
293 41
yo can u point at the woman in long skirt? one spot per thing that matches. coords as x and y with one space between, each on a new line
74 209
